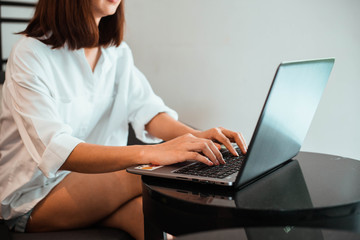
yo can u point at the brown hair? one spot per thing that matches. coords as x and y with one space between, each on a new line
71 22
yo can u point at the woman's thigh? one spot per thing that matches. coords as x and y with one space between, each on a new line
81 200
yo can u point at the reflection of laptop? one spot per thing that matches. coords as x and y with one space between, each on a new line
268 233
283 190
282 126
284 233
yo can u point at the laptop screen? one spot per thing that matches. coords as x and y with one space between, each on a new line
286 116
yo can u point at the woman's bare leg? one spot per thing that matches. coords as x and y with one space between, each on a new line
81 200
128 217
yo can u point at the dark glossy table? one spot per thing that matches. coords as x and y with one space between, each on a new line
313 190
271 233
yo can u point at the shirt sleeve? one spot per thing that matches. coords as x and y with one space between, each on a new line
143 105
48 140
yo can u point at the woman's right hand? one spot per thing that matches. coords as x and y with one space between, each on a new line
185 147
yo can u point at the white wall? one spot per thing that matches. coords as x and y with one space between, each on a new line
8 38
8 29
213 60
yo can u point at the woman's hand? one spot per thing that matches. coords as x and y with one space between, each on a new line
199 146
225 137
186 147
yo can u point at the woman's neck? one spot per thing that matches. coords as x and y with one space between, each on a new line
92 56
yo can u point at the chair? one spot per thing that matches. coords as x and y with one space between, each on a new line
91 233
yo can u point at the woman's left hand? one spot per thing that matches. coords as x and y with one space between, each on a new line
225 137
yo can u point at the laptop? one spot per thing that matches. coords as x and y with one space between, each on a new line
286 116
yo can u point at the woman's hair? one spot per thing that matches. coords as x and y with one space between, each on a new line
71 22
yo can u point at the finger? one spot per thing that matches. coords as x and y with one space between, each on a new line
198 157
216 152
238 138
240 141
221 137
203 146
218 145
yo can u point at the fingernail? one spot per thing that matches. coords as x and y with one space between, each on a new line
237 154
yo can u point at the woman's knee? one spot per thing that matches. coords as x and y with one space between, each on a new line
130 182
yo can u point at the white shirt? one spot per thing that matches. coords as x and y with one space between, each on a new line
52 101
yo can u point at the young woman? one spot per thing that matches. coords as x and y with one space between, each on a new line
71 89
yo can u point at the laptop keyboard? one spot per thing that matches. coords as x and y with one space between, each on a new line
232 165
